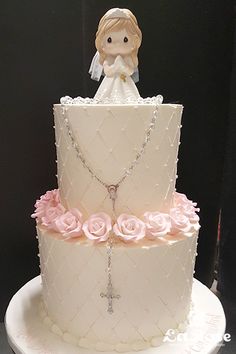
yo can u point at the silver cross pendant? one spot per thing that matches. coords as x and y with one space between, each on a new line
110 296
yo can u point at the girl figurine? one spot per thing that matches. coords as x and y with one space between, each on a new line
117 41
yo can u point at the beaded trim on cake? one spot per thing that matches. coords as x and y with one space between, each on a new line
104 347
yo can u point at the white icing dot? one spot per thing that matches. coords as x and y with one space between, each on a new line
156 341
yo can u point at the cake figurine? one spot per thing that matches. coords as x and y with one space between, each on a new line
118 39
117 243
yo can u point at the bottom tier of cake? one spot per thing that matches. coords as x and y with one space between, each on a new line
150 289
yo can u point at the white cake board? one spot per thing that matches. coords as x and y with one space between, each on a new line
28 335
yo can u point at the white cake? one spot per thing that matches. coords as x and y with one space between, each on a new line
117 242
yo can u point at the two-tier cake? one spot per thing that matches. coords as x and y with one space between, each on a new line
117 242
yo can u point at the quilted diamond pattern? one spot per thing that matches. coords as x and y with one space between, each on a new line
154 282
110 138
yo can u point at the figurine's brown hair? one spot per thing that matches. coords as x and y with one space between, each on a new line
116 24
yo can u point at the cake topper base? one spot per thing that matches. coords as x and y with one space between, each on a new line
28 335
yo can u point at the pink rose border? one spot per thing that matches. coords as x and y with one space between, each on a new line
51 214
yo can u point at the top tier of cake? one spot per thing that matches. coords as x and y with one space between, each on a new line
110 138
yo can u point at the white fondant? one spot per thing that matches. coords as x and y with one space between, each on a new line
153 279
27 334
110 136
67 337
55 329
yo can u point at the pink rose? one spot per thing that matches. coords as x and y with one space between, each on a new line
190 211
97 227
48 200
181 199
179 221
51 196
157 224
51 213
129 228
186 207
69 224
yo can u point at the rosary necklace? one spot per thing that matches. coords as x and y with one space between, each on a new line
111 189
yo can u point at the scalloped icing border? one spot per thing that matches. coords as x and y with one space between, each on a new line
105 347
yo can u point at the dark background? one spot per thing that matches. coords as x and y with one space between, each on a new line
186 55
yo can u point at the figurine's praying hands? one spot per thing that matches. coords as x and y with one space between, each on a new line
117 40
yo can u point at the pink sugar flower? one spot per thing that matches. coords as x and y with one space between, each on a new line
129 228
179 222
157 224
69 224
97 228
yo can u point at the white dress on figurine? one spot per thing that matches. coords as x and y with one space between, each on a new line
117 41
117 85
